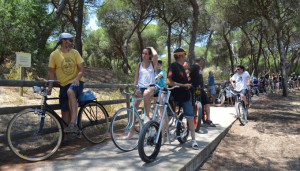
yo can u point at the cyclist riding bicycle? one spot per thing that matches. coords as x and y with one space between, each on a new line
241 81
177 77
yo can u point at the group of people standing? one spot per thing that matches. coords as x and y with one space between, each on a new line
187 78
68 66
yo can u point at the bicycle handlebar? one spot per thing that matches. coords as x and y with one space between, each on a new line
235 92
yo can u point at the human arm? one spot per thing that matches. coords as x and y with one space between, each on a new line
51 73
79 75
248 80
155 58
136 77
172 83
232 81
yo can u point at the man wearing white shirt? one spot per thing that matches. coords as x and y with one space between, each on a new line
241 81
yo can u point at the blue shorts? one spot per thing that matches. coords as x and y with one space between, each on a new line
63 95
212 90
187 109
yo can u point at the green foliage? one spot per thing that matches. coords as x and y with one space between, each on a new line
14 73
218 73
20 30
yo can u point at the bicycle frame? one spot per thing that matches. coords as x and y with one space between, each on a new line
165 104
134 109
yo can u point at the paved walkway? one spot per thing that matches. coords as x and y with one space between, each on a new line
175 156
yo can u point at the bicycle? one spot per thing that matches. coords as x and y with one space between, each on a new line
150 137
36 133
121 124
241 109
221 97
198 109
219 101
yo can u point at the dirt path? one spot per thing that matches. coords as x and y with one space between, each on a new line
270 141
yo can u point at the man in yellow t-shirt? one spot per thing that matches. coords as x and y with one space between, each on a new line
68 66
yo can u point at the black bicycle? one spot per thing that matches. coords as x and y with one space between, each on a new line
36 133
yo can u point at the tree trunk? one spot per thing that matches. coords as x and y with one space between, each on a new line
208 44
78 42
191 54
47 30
284 64
230 53
169 44
125 61
141 43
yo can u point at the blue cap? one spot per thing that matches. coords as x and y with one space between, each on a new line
65 36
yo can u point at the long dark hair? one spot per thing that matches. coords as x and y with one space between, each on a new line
150 53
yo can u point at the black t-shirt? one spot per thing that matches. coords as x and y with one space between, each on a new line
196 76
177 73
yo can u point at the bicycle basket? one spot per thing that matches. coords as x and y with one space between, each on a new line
86 96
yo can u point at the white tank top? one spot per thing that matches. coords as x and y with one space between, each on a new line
146 76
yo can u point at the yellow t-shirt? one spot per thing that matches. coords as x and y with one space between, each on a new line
65 65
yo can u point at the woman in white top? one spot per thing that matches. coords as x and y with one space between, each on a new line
144 77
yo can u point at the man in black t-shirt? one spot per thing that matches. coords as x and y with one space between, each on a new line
197 82
177 77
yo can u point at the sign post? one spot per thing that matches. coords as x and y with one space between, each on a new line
22 60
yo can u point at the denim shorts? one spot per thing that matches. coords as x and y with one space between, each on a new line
63 95
187 109
212 90
141 90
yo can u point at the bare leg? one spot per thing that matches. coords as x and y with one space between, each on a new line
72 101
207 109
192 127
147 101
66 117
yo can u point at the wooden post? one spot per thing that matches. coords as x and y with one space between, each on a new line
21 78
127 98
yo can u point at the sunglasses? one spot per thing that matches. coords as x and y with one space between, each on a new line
71 40
238 69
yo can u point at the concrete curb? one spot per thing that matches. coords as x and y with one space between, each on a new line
198 160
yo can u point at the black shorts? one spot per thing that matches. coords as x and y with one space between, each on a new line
204 99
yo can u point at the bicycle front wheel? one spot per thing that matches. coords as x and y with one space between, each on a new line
241 113
182 131
94 122
34 136
198 115
124 129
148 149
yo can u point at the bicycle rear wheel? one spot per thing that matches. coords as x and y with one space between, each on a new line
124 133
93 122
182 131
148 149
241 113
34 136
221 99
198 115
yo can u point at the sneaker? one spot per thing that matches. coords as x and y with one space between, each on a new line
210 123
72 127
147 119
195 145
